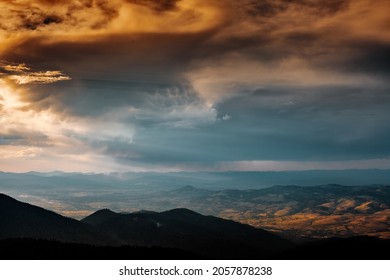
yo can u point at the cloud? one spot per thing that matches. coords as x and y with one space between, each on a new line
226 117
11 152
16 68
42 138
46 77
27 16
152 82
300 165
288 43
21 75
100 17
236 74
158 5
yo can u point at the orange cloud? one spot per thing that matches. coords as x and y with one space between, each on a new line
119 56
46 77
21 75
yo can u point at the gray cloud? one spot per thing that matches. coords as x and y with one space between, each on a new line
266 80
23 138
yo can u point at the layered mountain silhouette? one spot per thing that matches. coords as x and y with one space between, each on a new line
188 230
22 220
182 229
31 232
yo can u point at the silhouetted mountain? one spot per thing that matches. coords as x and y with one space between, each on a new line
181 228
206 236
22 220
99 217
30 232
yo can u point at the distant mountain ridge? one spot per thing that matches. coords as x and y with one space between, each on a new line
191 191
30 232
209 180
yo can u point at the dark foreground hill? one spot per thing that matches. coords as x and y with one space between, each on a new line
190 231
182 229
22 220
30 232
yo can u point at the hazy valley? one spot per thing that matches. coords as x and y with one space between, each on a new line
294 212
31 232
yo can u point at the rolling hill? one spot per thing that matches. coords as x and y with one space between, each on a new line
188 230
22 220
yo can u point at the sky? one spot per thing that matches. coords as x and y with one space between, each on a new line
194 85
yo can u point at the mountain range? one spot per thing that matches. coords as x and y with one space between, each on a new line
188 230
182 229
31 232
299 212
295 212
209 180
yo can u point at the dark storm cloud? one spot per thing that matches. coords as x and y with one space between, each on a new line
30 20
27 15
184 81
282 124
98 97
323 123
104 80
136 56
371 57
158 5
270 8
132 55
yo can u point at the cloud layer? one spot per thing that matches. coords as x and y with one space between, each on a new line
148 84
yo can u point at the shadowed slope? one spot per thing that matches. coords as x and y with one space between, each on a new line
22 220
185 229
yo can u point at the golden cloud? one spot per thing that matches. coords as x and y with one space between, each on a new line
16 68
120 53
46 77
21 75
